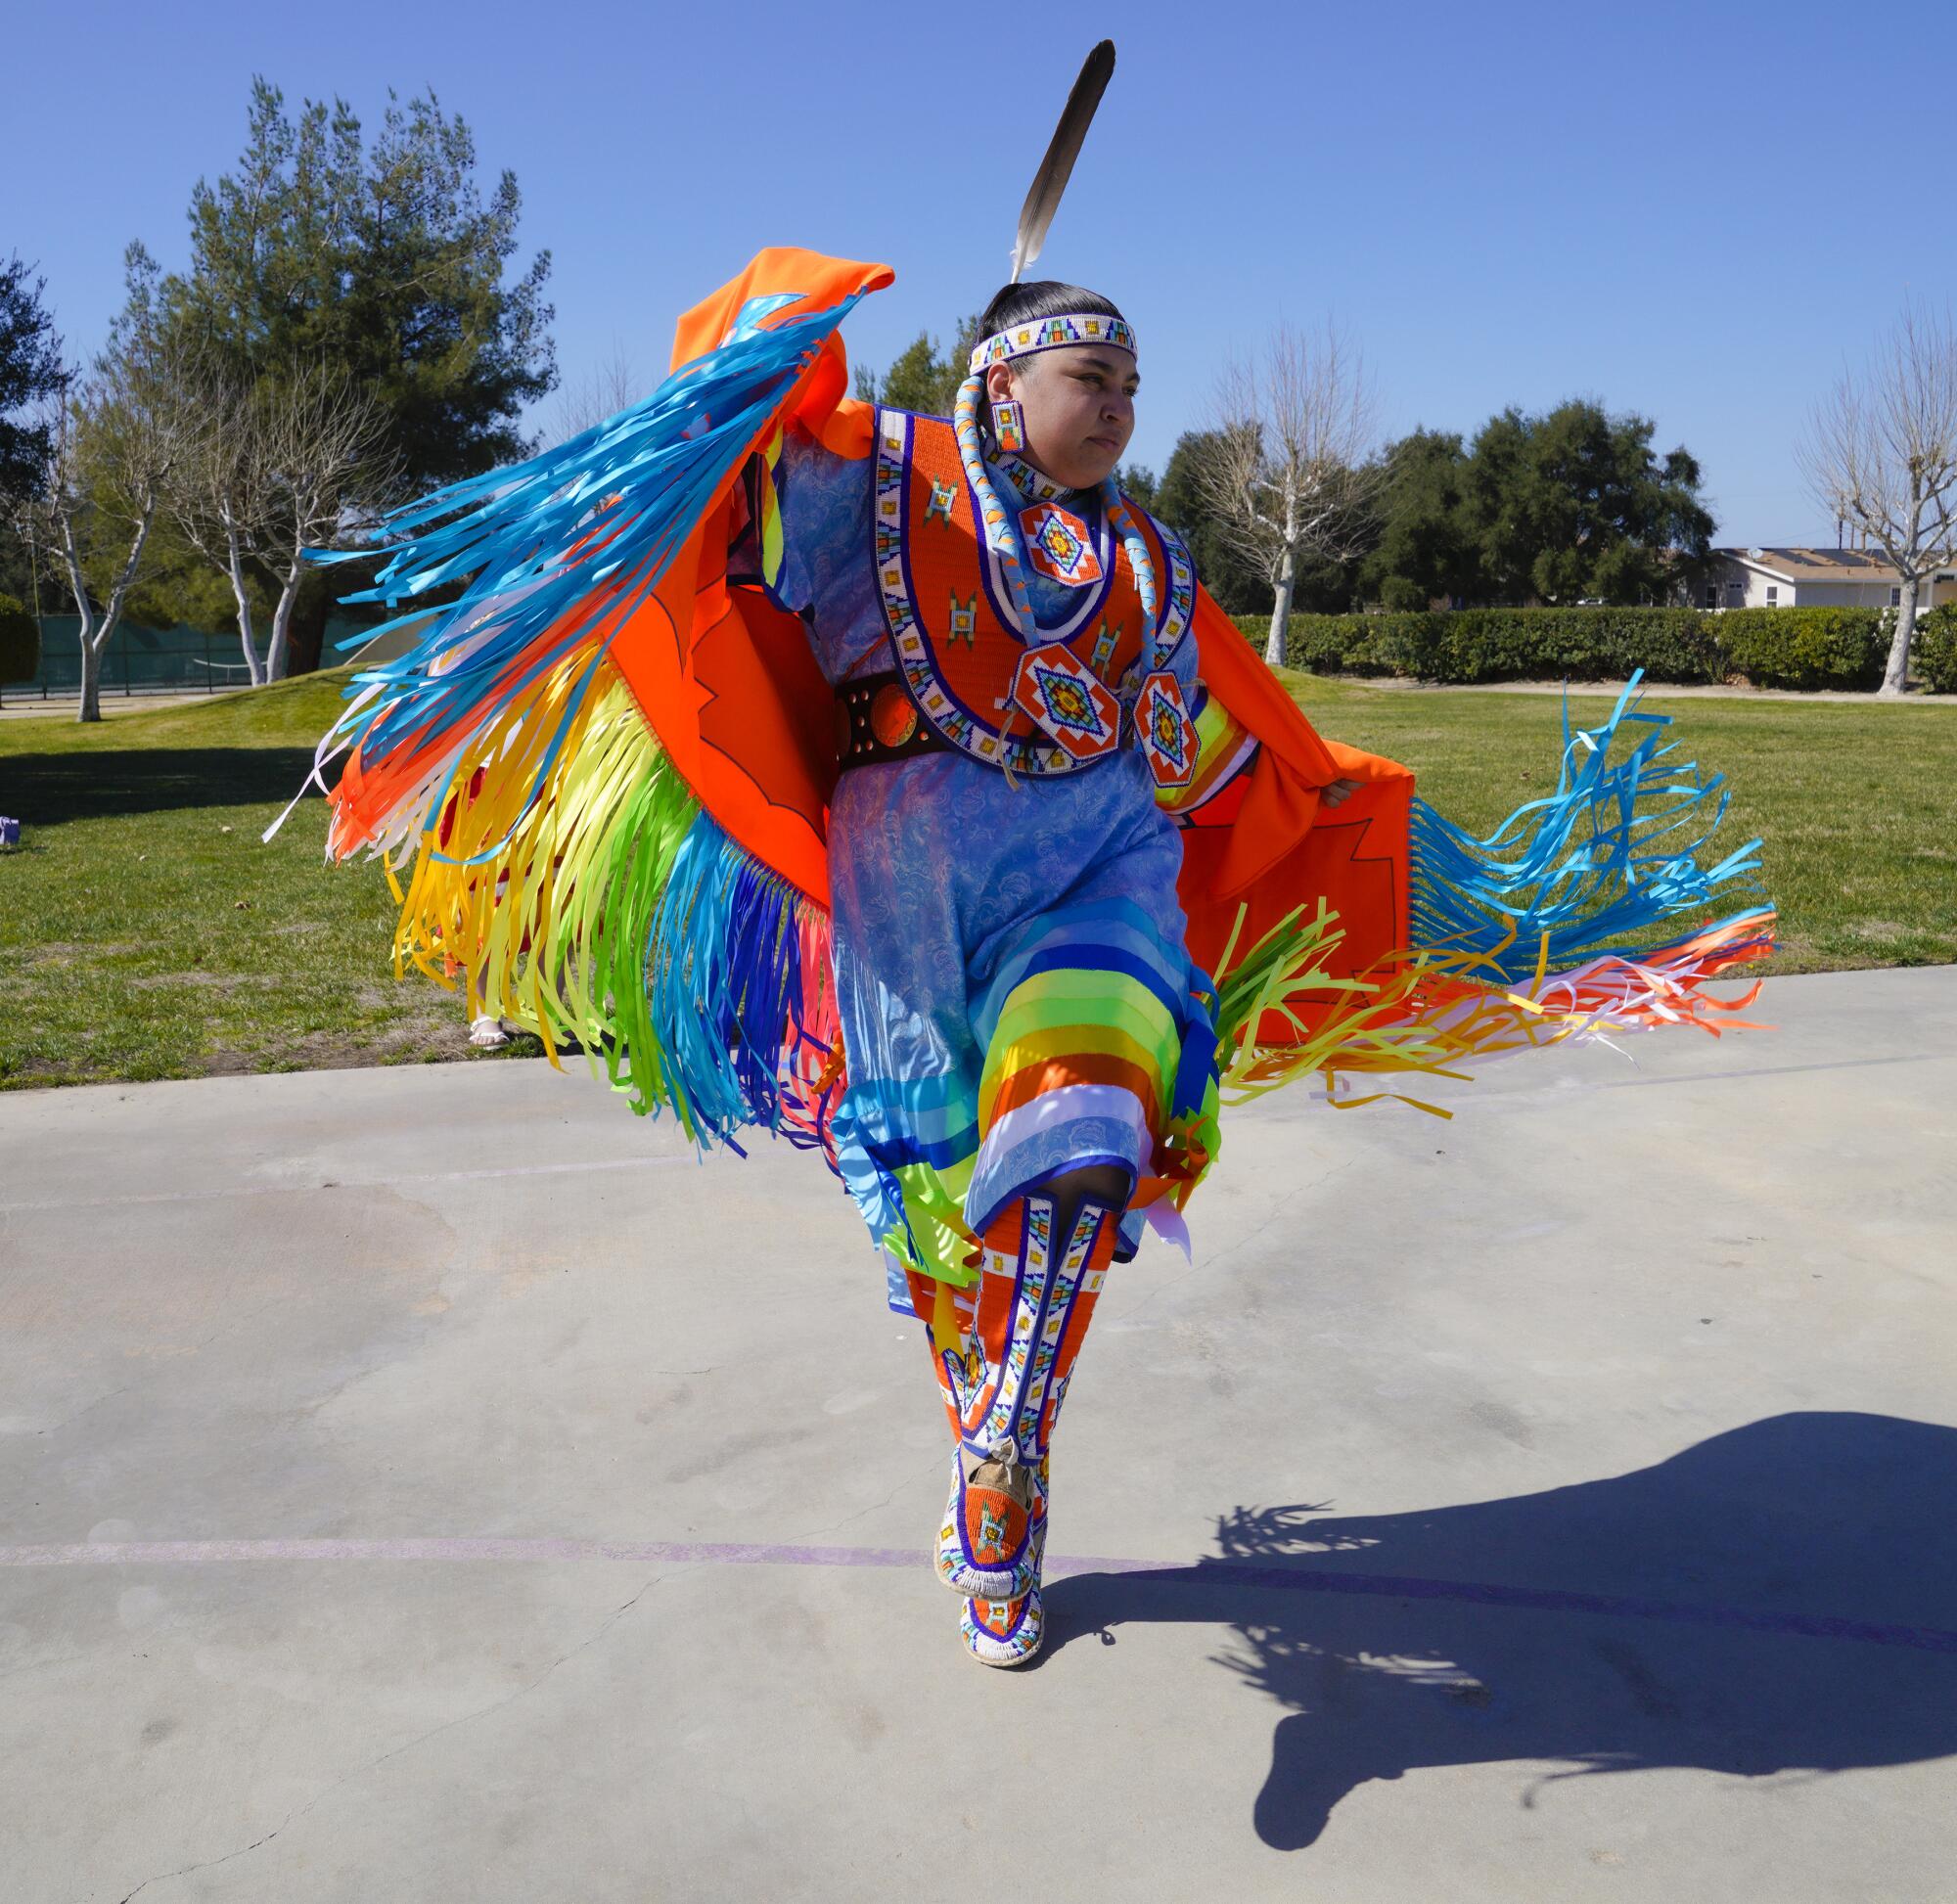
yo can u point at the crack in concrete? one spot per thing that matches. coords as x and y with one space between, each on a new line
421 1739
1211 1264
332 1394
42 1665
54 1428
830 1527
196 1348
209 1863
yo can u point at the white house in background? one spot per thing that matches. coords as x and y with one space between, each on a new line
1808 578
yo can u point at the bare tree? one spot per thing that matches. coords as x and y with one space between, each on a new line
324 438
1880 454
114 443
602 391
279 466
219 496
1286 477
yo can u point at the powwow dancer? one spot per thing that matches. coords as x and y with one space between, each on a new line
887 783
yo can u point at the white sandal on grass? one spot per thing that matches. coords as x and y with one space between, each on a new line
489 1033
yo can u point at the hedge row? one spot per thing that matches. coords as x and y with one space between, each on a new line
1772 648
1932 654
20 642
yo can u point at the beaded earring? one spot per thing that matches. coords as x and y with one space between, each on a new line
1008 424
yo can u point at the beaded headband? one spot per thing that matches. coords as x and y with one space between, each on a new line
1052 334
1000 530
1001 533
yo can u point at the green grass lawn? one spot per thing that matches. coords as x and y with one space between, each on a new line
1856 803
148 933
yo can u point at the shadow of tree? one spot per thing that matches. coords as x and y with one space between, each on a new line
1779 1598
44 790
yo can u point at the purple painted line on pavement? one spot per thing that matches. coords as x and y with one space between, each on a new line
207 1553
1203 1573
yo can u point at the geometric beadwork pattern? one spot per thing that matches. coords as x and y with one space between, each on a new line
1165 732
1056 544
1003 1632
1034 484
1037 753
1057 691
1052 334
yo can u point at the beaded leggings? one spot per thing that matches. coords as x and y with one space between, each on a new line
1003 1352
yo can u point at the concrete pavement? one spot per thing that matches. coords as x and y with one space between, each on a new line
433 1484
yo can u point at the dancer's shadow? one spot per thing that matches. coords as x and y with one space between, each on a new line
1780 1598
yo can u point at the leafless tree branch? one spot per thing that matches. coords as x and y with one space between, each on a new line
1880 454
601 393
1289 471
280 461
117 441
219 496
324 438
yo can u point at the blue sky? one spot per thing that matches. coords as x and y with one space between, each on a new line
1676 209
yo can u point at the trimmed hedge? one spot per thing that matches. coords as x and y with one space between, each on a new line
1932 652
1812 648
1772 648
19 643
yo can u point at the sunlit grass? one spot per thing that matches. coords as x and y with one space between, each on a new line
146 932
1857 802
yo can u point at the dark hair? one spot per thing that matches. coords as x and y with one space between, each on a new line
1026 304
1022 304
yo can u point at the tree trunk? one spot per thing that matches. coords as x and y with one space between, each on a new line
281 622
95 634
1274 647
90 706
111 615
306 637
235 568
1896 677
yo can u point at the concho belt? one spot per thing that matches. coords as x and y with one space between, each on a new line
876 720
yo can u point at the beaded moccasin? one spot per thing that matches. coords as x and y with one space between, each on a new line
1003 1632
994 1528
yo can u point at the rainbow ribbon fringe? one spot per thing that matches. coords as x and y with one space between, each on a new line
1497 922
557 865
550 558
1600 859
619 918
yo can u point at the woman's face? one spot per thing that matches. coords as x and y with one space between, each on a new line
1079 404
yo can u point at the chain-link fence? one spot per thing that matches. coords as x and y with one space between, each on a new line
137 661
